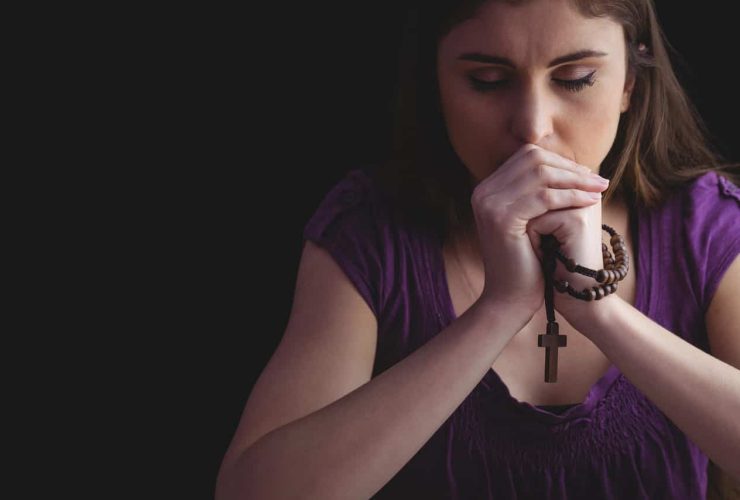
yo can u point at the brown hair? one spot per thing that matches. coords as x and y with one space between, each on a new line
661 142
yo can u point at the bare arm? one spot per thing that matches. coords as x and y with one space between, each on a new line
353 446
680 379
335 433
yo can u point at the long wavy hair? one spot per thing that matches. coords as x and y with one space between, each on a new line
661 142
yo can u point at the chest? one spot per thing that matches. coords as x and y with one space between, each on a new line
521 364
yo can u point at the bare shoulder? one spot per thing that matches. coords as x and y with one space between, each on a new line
327 350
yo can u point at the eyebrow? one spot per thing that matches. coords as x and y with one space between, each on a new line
485 58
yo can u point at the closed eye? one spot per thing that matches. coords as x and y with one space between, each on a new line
571 85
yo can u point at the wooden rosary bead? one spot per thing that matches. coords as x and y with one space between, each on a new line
608 276
615 269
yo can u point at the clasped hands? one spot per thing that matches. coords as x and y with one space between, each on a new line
533 193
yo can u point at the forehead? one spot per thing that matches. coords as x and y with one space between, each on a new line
536 30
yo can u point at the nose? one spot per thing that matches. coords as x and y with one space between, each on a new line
531 118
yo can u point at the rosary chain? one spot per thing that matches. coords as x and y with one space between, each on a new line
615 269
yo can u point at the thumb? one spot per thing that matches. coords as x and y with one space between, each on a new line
540 226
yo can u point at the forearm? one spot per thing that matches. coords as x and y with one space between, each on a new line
354 446
698 392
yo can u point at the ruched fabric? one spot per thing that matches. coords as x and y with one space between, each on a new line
615 444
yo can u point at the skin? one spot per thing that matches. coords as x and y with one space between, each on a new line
532 107
490 129
317 424
506 135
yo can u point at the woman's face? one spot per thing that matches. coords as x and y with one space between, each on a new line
529 91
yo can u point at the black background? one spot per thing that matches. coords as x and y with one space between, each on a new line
261 113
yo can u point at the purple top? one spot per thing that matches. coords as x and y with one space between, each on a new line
616 444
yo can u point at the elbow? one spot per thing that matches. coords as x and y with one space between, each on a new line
246 478
233 480
223 489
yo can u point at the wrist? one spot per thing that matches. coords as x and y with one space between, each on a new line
589 318
606 279
519 312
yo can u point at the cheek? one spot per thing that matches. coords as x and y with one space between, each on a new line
593 133
471 129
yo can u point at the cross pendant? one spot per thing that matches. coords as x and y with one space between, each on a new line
551 341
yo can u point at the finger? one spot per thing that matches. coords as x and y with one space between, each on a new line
545 199
542 165
525 149
535 239
560 178
543 177
543 225
549 223
541 155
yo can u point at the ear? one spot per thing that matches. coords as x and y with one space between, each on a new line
629 85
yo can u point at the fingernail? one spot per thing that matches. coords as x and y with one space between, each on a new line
595 196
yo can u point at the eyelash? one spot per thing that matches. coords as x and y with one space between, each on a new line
570 85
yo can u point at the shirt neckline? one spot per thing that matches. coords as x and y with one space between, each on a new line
492 382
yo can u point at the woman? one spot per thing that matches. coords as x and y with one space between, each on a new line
410 365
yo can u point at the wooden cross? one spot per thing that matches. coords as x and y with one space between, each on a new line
551 341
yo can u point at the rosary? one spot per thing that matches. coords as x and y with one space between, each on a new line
615 269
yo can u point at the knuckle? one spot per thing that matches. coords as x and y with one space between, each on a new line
541 155
536 155
579 217
545 196
581 220
488 204
500 219
541 171
478 201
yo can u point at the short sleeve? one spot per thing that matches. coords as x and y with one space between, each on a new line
346 225
713 230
